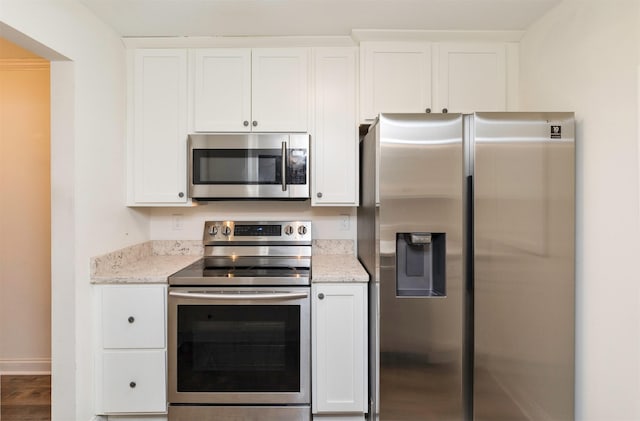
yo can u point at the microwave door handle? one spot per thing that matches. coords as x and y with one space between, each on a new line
284 166
236 297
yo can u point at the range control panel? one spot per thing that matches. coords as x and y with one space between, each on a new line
257 232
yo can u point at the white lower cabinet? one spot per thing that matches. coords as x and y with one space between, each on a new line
339 351
134 381
130 350
132 317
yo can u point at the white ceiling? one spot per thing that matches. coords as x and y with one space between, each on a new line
148 18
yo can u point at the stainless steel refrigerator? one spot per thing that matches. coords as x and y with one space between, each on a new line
466 227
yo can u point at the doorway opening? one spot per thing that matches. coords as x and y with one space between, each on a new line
25 234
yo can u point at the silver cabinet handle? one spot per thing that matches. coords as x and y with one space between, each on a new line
254 295
321 296
245 123
319 194
255 123
131 319
132 385
284 166
181 195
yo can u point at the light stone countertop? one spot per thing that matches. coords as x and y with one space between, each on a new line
151 262
148 270
154 261
337 268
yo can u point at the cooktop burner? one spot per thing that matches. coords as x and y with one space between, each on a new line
251 253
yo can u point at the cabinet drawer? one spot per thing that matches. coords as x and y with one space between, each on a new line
134 381
133 317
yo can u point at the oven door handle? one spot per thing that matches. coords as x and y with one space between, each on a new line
252 296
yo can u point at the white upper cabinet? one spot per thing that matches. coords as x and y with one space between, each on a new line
157 150
335 134
471 77
280 86
173 92
418 77
242 90
222 89
395 78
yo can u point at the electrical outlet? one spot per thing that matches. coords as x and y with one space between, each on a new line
177 222
345 222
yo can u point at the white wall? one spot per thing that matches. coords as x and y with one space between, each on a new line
583 56
188 223
87 147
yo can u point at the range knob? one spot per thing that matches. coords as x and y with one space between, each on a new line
288 230
213 230
226 230
302 230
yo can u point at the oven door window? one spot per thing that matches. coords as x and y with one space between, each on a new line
237 166
238 348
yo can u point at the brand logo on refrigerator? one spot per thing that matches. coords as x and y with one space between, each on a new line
556 132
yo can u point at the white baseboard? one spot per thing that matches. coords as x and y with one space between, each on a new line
25 366
130 418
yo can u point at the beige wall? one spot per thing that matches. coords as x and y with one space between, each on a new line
583 56
25 232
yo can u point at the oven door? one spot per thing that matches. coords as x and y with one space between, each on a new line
249 166
239 345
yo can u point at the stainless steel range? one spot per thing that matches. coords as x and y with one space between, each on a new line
239 325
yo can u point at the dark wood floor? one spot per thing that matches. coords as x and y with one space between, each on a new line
25 398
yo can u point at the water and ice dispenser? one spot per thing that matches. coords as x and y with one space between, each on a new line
420 264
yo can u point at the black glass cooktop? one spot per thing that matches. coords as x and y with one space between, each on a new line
202 273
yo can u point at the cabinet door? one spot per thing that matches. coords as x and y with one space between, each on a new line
395 78
160 126
222 90
133 316
471 77
134 381
335 138
279 89
339 349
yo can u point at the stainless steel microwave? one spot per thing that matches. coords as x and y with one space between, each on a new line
248 166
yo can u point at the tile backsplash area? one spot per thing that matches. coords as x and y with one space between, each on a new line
187 223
